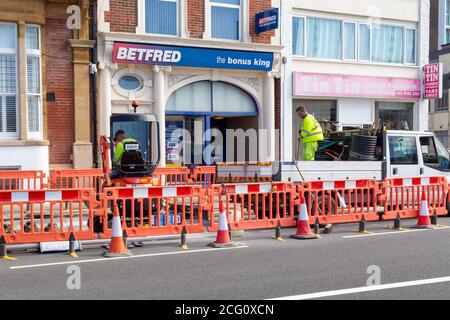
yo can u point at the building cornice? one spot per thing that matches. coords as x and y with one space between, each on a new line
200 43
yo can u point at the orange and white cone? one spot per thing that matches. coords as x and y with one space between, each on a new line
223 237
423 222
303 229
117 246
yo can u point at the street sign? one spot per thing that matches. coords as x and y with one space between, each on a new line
266 20
432 81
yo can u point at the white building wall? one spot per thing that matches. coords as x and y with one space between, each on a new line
19 157
408 13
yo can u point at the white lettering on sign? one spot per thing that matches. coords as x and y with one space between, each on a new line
153 55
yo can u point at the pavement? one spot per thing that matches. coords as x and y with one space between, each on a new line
410 265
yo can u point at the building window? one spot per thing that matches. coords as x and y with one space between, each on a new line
364 42
33 61
298 36
8 81
130 83
324 38
323 110
343 40
396 115
225 19
410 54
387 44
349 40
161 17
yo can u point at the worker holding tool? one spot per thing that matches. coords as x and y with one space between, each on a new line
120 139
310 133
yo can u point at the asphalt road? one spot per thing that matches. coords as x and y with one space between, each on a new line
262 269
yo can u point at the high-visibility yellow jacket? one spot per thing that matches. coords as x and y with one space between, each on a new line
311 130
120 149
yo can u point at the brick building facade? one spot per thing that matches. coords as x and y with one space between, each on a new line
44 104
172 91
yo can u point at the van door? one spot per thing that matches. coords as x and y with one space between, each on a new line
434 158
402 156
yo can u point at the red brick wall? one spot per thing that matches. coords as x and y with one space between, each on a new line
60 113
196 20
122 15
255 7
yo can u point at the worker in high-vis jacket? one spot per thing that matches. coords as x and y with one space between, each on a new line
310 133
119 139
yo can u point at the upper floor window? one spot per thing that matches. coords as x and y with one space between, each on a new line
161 17
8 81
225 19
347 40
33 61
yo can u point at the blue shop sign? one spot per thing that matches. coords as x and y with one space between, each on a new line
191 57
267 20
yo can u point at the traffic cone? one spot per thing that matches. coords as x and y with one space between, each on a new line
223 236
303 229
117 246
423 221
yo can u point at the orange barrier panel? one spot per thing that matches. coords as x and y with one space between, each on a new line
172 176
77 179
204 176
155 210
254 205
340 201
46 215
22 180
403 195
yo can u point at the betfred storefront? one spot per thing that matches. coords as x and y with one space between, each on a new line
195 94
357 101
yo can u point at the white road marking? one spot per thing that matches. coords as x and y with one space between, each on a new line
365 289
392 232
119 258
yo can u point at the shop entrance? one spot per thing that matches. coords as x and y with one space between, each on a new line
193 110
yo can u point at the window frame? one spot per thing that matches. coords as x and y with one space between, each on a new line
369 26
358 22
35 53
304 36
355 40
208 12
405 46
178 15
4 135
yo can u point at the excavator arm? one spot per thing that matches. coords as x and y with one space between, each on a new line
104 145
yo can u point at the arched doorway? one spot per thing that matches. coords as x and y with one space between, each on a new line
199 107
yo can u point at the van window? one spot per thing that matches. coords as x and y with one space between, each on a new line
402 150
434 154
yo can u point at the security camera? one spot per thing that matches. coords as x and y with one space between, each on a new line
92 68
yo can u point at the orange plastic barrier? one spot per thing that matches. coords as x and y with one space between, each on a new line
77 179
173 176
403 195
204 176
46 215
340 201
22 180
254 205
155 210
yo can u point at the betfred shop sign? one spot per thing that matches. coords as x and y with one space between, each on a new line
432 81
191 57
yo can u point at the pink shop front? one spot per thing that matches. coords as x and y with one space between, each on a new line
358 101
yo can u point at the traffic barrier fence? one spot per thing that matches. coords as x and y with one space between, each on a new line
340 201
155 210
77 179
46 215
22 180
403 196
253 205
